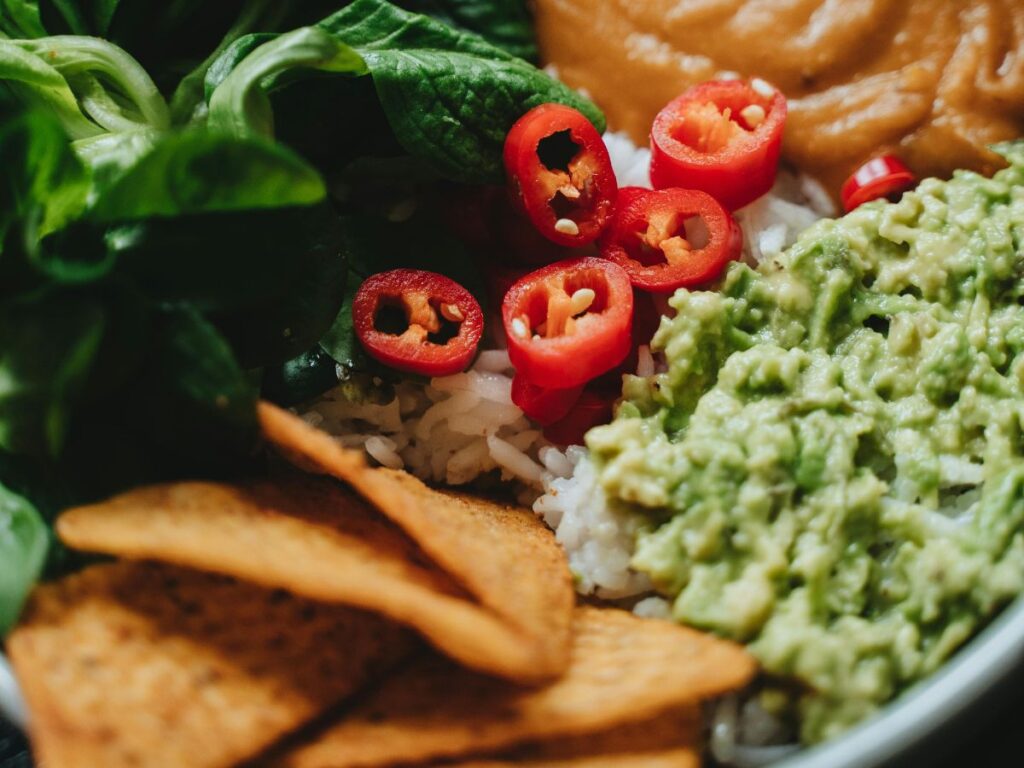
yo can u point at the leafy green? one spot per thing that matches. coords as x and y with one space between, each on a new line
449 95
241 106
107 85
23 545
505 23
199 171
40 177
35 81
20 18
47 349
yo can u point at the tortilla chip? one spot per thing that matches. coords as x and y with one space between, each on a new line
134 664
683 757
678 728
504 556
306 534
624 670
671 740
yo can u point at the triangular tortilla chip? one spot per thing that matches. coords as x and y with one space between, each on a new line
134 664
684 757
309 535
671 740
624 669
503 556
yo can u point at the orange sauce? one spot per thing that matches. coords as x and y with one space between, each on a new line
932 81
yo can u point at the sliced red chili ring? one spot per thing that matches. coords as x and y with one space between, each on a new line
417 321
568 322
722 137
544 406
593 408
884 176
628 194
649 240
560 173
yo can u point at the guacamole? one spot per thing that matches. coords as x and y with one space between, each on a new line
831 469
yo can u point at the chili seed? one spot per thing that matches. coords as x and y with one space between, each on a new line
519 328
567 227
581 300
753 114
452 313
762 87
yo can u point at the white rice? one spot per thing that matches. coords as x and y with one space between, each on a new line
457 429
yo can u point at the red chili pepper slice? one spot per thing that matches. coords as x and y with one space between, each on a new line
568 322
561 174
593 408
649 240
544 406
884 176
417 321
722 137
628 194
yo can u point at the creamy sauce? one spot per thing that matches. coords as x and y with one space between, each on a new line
934 81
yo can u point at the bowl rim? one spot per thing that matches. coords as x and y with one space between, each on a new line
935 702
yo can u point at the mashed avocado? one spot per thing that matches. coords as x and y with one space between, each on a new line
832 468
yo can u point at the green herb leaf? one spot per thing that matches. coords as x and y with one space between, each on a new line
240 104
38 83
450 96
47 349
41 179
24 540
505 23
109 85
196 171
20 18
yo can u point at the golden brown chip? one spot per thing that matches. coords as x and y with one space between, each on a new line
134 664
683 757
306 534
503 556
670 740
673 729
624 669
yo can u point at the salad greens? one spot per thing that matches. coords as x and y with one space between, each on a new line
449 95
190 194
